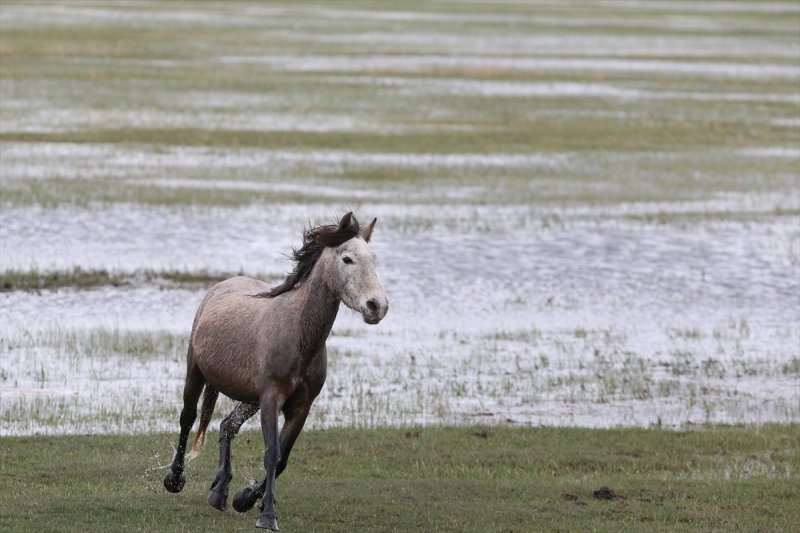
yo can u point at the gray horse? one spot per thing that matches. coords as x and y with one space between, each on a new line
265 348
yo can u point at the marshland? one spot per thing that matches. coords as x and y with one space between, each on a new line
588 212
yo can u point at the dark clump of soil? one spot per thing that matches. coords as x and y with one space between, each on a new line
606 493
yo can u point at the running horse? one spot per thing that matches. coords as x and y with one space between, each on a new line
265 348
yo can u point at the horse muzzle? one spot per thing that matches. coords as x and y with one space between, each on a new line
374 309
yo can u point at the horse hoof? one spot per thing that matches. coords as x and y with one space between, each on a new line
268 522
174 482
218 501
244 500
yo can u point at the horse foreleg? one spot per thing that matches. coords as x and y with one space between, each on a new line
246 498
270 406
175 480
292 426
218 497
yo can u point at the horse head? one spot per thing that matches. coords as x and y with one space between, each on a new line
351 271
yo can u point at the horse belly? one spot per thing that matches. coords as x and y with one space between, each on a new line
235 386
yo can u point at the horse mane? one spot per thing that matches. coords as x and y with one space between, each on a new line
315 240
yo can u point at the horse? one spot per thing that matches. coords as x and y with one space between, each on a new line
265 348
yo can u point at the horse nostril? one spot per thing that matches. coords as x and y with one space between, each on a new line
372 305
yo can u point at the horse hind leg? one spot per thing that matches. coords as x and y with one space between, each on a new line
228 429
175 480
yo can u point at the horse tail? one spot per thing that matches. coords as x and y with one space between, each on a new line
210 395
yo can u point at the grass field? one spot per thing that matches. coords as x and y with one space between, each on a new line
422 479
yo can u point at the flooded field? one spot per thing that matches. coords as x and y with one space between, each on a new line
588 214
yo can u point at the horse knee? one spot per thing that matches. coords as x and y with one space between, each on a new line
272 458
282 462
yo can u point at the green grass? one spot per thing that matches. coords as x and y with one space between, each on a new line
80 278
541 133
437 479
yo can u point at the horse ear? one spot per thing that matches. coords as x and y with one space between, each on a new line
366 232
346 221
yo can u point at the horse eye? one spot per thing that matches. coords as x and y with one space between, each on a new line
347 260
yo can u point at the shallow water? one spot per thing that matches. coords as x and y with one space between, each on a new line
652 284
415 64
26 161
601 321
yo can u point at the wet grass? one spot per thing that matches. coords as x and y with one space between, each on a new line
95 379
542 133
196 78
101 342
80 278
432 479
53 377
34 280
572 178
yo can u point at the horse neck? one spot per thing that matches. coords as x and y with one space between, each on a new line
317 309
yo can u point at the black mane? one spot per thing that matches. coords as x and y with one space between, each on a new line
315 240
